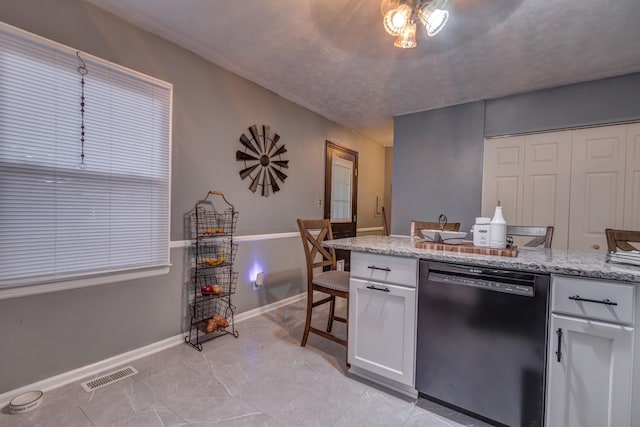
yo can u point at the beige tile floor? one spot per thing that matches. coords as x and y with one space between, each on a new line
263 378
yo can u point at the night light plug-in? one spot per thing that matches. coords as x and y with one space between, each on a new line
259 282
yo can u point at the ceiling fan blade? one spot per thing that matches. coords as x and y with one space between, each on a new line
274 184
246 172
254 184
276 137
256 136
245 141
241 155
280 175
265 136
281 163
265 186
280 150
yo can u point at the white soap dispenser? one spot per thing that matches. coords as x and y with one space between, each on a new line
498 230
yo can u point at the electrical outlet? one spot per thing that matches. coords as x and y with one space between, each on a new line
319 202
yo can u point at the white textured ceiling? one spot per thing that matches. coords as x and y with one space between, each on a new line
333 56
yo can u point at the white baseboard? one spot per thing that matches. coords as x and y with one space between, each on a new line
86 371
269 307
122 359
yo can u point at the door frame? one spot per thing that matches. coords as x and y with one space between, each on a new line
341 229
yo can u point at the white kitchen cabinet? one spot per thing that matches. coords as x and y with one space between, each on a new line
382 320
590 361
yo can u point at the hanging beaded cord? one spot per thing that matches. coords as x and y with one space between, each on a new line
82 70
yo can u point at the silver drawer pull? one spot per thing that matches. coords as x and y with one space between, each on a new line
378 289
373 267
604 301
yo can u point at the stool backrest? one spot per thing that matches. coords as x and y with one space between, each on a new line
619 239
313 232
542 235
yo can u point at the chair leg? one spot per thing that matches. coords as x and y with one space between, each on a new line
307 324
332 310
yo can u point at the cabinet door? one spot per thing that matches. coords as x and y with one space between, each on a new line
597 185
382 329
632 186
503 177
591 385
546 178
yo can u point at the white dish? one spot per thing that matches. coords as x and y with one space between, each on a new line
25 402
452 237
431 235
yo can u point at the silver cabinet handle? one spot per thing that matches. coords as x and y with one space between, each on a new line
605 301
385 289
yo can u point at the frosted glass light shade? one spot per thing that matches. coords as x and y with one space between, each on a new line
396 19
407 39
433 20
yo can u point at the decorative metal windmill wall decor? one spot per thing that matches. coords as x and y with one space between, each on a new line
263 162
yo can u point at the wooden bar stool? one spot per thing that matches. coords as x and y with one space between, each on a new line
542 235
619 239
331 282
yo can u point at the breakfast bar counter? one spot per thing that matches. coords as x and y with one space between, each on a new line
571 263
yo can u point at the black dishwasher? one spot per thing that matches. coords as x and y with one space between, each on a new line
481 341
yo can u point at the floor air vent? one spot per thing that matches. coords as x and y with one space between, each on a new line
110 378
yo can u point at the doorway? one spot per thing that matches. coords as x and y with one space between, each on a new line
341 193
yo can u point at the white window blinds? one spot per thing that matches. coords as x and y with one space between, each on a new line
59 220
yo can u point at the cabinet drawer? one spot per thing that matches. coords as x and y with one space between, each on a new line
384 268
594 299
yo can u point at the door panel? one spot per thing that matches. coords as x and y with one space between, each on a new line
546 183
632 191
502 177
597 185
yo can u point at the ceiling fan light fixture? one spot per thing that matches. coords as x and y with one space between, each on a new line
396 19
433 20
400 16
407 38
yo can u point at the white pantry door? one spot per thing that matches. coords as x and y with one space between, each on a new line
547 178
597 185
502 177
632 190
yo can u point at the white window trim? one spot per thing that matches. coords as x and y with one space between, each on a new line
36 288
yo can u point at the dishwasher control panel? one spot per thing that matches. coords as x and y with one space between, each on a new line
477 282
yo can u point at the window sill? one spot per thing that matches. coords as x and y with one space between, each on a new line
43 288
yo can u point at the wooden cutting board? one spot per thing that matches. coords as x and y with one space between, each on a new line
468 248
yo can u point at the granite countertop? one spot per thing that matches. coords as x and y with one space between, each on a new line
572 263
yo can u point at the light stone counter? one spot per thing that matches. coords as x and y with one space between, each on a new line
572 263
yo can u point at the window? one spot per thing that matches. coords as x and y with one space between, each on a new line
341 190
62 220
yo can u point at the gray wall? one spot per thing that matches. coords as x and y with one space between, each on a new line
590 103
57 332
437 165
438 154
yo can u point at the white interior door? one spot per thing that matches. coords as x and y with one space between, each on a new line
597 185
547 181
503 177
632 180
